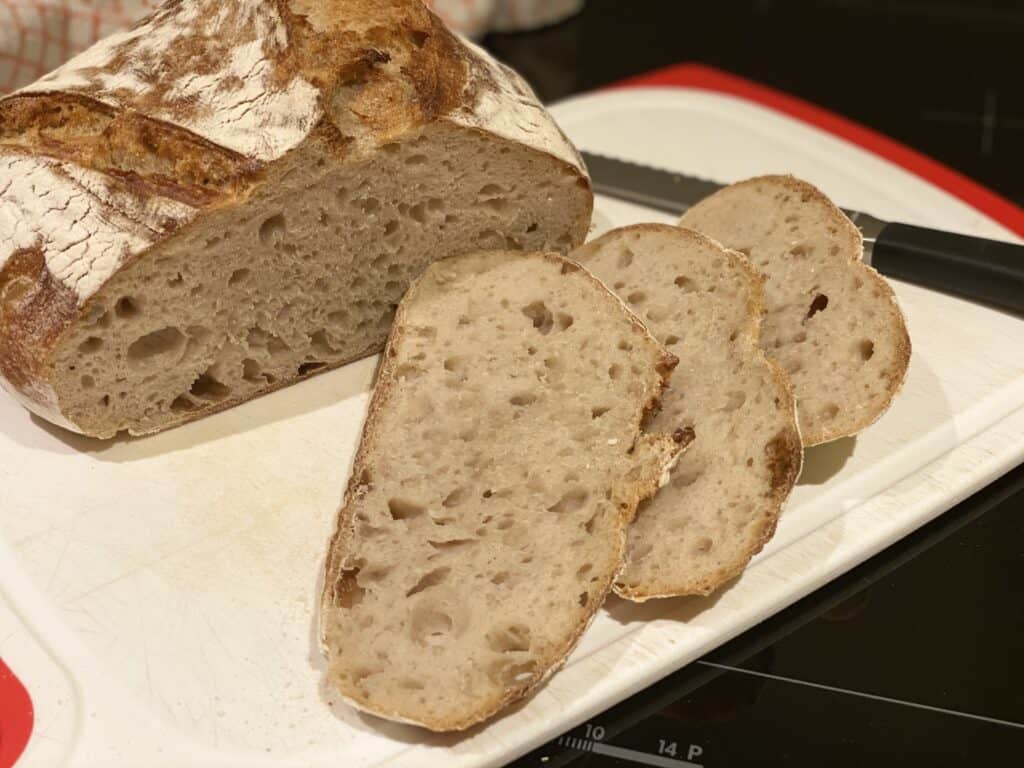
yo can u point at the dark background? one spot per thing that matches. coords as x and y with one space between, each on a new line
935 624
947 78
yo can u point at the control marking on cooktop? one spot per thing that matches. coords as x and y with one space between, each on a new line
863 695
636 756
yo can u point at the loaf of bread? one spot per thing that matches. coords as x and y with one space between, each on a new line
725 494
500 463
235 194
832 321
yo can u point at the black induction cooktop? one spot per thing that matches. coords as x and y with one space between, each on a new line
914 658
917 656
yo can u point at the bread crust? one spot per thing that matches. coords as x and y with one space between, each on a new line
898 327
153 128
656 455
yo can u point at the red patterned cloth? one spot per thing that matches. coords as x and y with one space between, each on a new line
38 35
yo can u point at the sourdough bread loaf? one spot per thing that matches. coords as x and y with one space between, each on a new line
832 321
501 461
234 195
725 494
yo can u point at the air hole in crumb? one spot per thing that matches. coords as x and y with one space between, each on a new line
347 592
614 371
583 599
685 283
456 497
500 577
163 342
703 545
206 387
431 626
252 371
272 229
176 281
523 398
625 257
418 213
454 363
310 367
182 404
126 308
490 240
90 345
432 579
867 349
571 501
369 205
451 544
541 316
599 410
818 305
506 674
88 382
671 340
403 509
564 321
511 638
416 160
636 297
238 276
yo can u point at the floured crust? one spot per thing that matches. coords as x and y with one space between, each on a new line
654 456
723 214
612 257
145 132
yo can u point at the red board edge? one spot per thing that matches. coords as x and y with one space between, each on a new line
16 717
692 75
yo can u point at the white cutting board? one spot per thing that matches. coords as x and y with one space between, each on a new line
159 595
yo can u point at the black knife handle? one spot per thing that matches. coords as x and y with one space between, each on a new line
982 270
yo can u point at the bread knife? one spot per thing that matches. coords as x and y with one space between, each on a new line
988 271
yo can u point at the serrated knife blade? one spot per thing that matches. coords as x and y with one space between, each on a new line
988 271
674 192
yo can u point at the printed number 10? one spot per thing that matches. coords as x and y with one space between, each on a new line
595 732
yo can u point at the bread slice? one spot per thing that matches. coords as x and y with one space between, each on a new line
501 461
832 321
232 196
725 494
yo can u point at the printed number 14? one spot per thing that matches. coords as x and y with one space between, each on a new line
667 748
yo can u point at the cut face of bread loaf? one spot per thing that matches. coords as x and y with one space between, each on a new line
832 321
501 461
235 195
725 494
